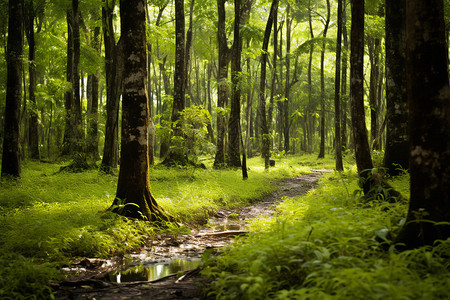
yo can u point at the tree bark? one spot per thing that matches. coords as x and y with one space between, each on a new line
92 112
234 159
177 153
429 119
133 197
265 146
362 150
33 139
322 86
287 88
222 86
113 70
10 159
396 155
337 95
344 96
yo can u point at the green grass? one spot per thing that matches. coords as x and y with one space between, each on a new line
330 245
50 218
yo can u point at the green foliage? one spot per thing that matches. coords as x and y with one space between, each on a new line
325 245
49 218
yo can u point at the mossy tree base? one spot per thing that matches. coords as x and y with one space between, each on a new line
139 204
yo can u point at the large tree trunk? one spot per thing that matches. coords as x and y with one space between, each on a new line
265 145
337 95
11 151
113 70
222 86
234 159
396 155
362 150
33 138
133 197
429 124
322 86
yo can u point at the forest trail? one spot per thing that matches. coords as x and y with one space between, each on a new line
95 283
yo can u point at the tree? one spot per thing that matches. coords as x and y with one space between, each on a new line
11 150
134 198
396 155
234 159
429 118
113 70
222 86
177 153
73 135
362 150
337 94
30 11
322 85
265 146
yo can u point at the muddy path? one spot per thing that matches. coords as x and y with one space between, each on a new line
98 279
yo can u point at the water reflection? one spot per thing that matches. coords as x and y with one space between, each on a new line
153 271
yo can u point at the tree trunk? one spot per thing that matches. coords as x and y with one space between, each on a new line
322 86
92 112
396 155
287 86
79 133
374 46
133 197
33 122
429 118
337 96
344 96
265 146
10 159
113 70
69 130
222 86
177 153
362 150
234 159
273 80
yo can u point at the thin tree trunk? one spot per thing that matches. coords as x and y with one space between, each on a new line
337 96
322 86
287 86
33 137
233 152
344 96
222 89
362 150
11 139
265 146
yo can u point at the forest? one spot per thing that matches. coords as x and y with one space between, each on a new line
246 149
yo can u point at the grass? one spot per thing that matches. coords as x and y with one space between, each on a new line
328 244
48 218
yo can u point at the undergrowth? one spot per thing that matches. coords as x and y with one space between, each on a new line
49 218
330 245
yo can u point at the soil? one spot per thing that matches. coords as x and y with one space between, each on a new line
90 278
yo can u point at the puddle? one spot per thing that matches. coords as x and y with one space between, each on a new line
153 271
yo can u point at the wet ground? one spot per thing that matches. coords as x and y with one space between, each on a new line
169 267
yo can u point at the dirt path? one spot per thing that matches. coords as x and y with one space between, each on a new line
95 283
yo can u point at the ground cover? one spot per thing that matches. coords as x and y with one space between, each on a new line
50 219
331 244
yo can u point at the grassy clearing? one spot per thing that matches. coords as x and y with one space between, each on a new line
330 245
50 218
